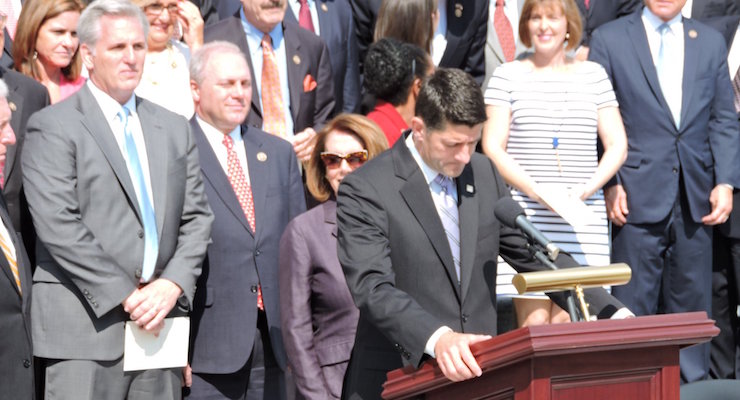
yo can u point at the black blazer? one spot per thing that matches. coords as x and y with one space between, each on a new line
399 268
305 55
601 12
16 353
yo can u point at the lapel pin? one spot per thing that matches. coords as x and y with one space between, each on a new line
469 189
296 59
458 10
324 7
12 106
693 34
261 156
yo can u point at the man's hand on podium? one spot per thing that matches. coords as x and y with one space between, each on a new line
454 357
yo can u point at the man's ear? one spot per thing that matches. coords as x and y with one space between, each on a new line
87 56
417 127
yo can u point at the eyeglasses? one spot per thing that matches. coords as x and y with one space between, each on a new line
334 160
157 8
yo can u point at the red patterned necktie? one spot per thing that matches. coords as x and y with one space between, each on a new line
304 16
243 193
587 3
273 110
504 31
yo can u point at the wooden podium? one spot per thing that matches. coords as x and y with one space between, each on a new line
634 359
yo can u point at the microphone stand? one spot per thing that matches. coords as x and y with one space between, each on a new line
537 252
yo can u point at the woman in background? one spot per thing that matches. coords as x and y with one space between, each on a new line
166 79
45 46
318 315
404 20
546 113
393 74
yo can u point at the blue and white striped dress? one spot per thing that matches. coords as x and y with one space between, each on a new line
553 138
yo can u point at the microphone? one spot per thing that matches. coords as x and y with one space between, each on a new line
511 214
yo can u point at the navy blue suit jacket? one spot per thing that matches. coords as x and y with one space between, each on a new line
224 317
704 151
336 28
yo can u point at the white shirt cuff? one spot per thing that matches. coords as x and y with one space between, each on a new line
429 349
622 313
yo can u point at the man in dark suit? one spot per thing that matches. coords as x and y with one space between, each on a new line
467 22
16 355
118 203
671 80
418 242
303 66
25 97
255 190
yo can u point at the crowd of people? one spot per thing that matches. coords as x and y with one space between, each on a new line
312 183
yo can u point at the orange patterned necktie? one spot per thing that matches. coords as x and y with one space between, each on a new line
243 192
6 244
273 110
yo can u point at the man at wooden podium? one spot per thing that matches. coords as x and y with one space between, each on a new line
418 242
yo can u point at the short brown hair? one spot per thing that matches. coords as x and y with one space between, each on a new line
371 136
569 9
33 15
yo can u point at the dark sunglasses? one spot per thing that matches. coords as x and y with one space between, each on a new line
334 160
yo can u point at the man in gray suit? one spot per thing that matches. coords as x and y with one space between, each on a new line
116 196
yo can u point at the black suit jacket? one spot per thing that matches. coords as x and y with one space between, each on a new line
702 9
466 33
25 97
601 12
16 355
399 267
305 55
336 28
224 316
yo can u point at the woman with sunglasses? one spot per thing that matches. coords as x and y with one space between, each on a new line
317 312
45 46
166 78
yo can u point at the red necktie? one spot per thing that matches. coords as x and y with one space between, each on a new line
243 192
273 112
587 3
504 31
304 16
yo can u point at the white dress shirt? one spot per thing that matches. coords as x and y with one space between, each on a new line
216 140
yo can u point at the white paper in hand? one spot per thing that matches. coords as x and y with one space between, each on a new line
143 350
571 208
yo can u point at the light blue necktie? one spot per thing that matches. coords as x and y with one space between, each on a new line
448 213
151 243
665 57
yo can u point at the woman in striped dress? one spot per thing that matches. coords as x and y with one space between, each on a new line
546 113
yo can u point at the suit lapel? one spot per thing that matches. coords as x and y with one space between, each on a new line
15 101
468 212
324 12
5 264
690 68
636 32
258 160
155 139
295 62
214 173
453 28
330 216
415 193
95 123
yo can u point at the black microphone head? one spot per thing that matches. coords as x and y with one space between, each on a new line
507 210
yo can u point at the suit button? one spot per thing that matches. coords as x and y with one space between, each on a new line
253 289
257 252
675 170
465 318
85 292
137 273
140 233
27 363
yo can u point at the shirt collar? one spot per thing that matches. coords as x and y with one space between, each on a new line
429 173
255 35
654 22
211 132
108 104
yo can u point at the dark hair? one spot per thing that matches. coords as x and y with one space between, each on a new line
450 95
407 20
372 138
390 68
570 11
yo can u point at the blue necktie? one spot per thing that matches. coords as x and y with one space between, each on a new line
448 213
151 243
665 70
